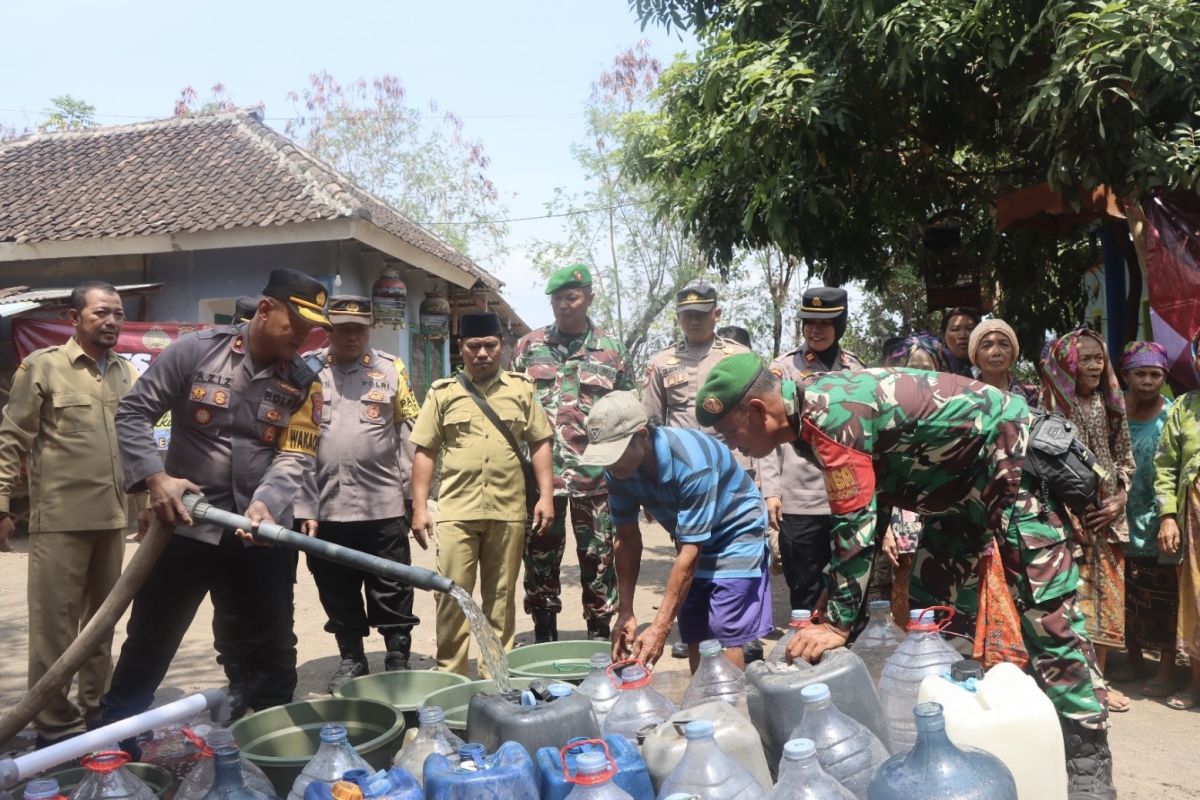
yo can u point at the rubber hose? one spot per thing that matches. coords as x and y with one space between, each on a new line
98 630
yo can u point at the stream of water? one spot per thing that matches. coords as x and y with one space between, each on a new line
491 652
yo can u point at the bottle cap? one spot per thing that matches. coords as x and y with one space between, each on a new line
333 732
801 613
591 762
431 715
880 605
967 668
528 698
699 729
345 790
41 789
815 693
797 749
633 674
560 689
600 661
710 647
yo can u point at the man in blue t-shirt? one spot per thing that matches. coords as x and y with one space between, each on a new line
690 483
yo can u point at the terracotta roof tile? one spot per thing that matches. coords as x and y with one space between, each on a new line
182 175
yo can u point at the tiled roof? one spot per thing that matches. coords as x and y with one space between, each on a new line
182 175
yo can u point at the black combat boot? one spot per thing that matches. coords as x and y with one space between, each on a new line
354 661
1089 763
599 629
545 626
398 645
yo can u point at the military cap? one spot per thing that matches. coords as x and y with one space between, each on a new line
725 386
305 295
245 308
471 326
576 276
351 308
699 295
611 423
822 302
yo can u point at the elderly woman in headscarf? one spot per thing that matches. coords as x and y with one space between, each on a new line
1078 380
1151 582
993 349
957 324
918 351
1177 492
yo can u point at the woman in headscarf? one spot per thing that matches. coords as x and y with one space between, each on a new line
1177 491
918 351
1151 582
994 350
1078 380
957 324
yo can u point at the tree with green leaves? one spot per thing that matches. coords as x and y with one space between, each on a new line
836 130
68 113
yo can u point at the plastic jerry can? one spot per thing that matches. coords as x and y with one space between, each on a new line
1006 714
934 769
734 734
554 765
776 705
507 774
532 719
707 771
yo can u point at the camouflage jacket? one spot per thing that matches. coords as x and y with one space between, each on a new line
568 383
922 441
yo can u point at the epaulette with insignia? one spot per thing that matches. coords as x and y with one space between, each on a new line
810 356
442 383
520 375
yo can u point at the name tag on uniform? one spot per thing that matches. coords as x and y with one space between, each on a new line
676 378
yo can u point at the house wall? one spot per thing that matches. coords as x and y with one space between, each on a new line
198 284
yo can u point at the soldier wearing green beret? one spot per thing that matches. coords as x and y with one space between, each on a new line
574 363
931 443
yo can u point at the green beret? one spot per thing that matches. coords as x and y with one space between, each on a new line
725 386
576 276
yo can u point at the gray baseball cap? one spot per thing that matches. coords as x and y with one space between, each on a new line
612 422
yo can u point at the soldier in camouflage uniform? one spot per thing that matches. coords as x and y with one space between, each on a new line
929 443
574 364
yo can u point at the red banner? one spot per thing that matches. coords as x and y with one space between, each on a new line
140 342
1173 276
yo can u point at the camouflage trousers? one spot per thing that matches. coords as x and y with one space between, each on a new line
594 547
1041 574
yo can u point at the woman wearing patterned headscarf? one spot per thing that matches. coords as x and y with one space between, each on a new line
1151 582
918 351
1078 380
1177 491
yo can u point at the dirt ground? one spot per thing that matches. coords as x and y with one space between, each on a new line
1156 749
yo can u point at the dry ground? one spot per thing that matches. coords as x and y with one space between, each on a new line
1156 749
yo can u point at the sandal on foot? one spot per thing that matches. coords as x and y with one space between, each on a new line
1118 702
1157 689
1183 701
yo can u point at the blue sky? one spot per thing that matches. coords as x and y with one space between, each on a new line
518 71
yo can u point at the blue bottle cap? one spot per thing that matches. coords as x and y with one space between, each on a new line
333 732
591 763
473 752
528 698
710 647
699 729
41 789
797 749
814 693
560 689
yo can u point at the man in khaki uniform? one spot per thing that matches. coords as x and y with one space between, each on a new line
675 374
481 504
61 413
357 491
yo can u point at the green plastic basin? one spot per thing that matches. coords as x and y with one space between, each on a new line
158 779
283 739
454 700
561 661
401 689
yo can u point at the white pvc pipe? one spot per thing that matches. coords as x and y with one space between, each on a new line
15 770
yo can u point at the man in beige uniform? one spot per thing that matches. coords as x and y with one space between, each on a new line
61 413
357 492
481 504
675 374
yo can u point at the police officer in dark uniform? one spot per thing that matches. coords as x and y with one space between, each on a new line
245 426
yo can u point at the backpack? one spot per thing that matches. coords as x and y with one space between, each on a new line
1064 468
